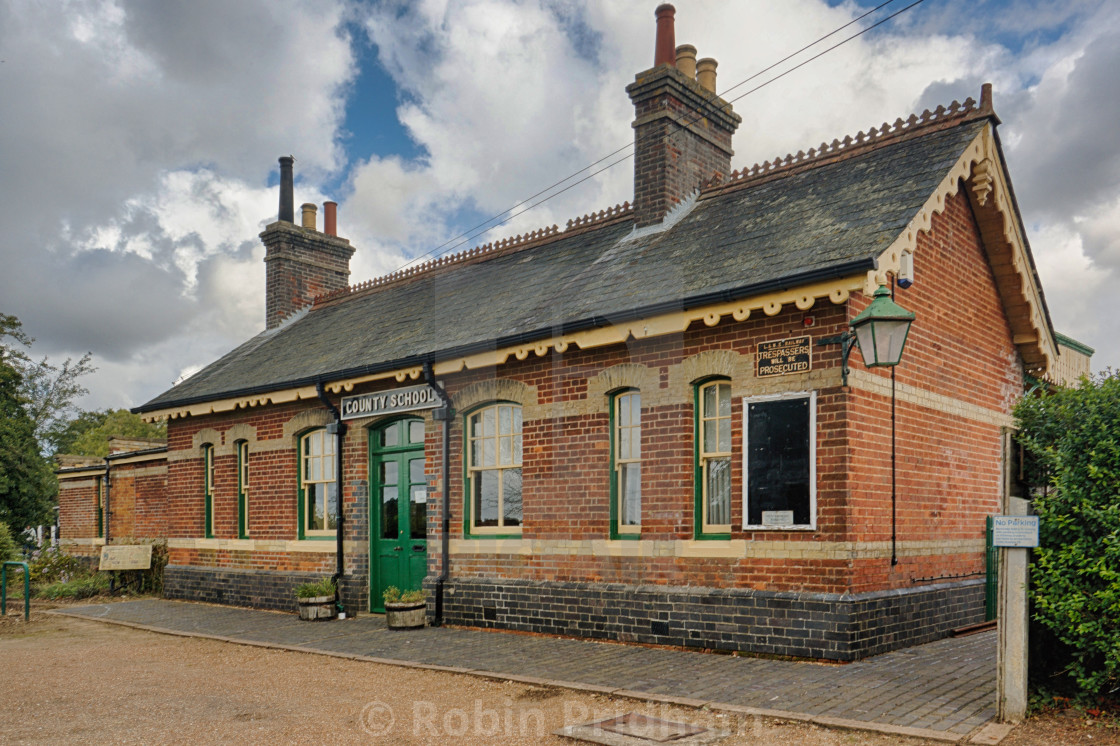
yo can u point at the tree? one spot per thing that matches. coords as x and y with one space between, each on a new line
27 483
48 390
1074 437
33 396
88 434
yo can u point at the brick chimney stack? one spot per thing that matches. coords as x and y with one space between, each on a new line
682 130
300 261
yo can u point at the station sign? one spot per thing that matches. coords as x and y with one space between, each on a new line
794 355
126 557
408 399
1015 531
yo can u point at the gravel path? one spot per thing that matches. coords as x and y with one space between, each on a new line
83 682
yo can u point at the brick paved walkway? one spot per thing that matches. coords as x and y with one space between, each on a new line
944 688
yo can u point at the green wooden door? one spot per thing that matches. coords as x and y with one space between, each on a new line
398 508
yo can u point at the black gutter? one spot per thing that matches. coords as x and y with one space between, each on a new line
594 322
338 429
442 415
145 452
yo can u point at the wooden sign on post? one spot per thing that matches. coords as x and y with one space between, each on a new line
126 557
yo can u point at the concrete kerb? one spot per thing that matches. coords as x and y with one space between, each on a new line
820 720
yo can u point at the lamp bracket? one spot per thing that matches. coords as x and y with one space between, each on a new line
848 340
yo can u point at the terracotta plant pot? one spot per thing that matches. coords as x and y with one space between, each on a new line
317 608
405 616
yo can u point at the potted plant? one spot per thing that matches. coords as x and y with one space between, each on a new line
404 610
316 600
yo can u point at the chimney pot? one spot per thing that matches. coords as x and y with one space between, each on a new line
686 60
309 209
706 74
673 156
287 203
666 48
330 218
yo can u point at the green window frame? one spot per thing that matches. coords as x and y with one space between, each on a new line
493 470
712 407
208 489
318 490
242 488
626 464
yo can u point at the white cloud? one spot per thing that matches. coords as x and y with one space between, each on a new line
135 139
143 135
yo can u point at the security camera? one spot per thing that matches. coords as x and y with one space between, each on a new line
906 270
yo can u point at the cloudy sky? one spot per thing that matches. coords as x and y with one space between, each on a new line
138 140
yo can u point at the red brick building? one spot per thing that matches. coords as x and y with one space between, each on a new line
122 497
630 427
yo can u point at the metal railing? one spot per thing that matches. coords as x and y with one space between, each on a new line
26 589
991 583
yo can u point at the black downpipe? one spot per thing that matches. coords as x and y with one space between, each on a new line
443 415
338 429
105 506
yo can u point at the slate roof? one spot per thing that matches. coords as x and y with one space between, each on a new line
822 222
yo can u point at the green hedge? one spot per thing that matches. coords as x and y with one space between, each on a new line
1072 436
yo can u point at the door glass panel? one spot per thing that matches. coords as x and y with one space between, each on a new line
416 471
391 436
389 527
416 431
388 472
418 512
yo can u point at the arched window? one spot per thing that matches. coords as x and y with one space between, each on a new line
713 456
208 489
494 469
626 463
318 492
242 488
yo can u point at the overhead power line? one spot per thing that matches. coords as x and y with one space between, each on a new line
683 122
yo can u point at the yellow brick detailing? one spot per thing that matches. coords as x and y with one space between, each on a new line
732 549
96 542
265 545
867 381
82 481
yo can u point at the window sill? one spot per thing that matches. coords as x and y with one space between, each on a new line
810 527
476 534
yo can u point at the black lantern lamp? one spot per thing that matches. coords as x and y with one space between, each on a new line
880 330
